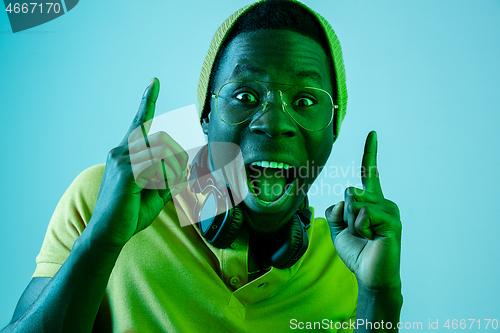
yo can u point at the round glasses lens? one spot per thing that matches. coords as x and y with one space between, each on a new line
238 101
311 108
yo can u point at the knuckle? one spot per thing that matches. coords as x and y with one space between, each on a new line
393 207
359 222
394 211
353 192
357 191
392 203
185 156
123 160
348 191
163 136
114 153
351 206
398 212
353 230
154 137
329 213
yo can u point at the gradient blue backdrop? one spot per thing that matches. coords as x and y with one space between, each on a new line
424 74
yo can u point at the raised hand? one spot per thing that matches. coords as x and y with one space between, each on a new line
366 228
134 187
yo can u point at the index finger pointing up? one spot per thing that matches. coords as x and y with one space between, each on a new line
369 170
146 110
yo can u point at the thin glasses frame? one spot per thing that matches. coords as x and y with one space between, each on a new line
283 103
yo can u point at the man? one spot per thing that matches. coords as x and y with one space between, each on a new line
115 257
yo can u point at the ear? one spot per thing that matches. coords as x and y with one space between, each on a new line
205 125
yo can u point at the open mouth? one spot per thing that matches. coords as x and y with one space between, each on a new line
270 181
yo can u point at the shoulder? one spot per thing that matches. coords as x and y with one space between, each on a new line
88 181
90 177
81 195
70 218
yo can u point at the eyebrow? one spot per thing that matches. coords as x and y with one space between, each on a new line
243 68
310 74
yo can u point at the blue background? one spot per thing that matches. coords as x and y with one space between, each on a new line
424 74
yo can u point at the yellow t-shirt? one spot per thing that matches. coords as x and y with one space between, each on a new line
169 279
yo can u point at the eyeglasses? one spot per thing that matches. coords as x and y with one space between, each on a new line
311 108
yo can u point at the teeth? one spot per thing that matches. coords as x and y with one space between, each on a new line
272 164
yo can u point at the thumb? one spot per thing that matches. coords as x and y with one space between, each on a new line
335 218
149 99
141 123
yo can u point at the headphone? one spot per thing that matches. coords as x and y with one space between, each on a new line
220 220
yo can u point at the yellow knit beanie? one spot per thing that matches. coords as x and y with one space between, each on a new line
335 50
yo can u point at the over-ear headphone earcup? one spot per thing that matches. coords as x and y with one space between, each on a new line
229 229
218 224
287 245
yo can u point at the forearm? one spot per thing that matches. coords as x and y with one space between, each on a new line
71 300
378 310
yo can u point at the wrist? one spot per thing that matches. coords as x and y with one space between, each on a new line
388 287
95 245
386 295
107 232
379 304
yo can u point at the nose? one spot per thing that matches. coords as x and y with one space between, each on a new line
273 120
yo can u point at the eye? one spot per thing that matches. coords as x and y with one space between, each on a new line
304 102
246 98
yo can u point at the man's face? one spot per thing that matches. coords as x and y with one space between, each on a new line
271 135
